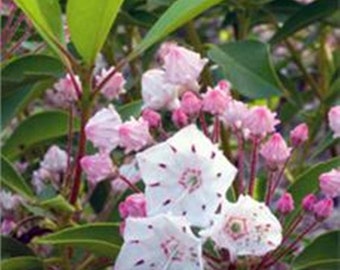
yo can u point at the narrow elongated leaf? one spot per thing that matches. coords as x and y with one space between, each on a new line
308 182
248 67
20 263
58 203
323 253
35 129
46 17
90 22
306 16
11 247
13 180
100 238
178 14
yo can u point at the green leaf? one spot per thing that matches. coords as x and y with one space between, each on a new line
248 67
179 13
100 238
59 204
46 18
131 109
11 247
13 180
322 254
36 129
20 263
308 182
305 16
89 23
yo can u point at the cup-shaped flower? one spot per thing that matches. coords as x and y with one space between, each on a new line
261 121
215 100
299 134
330 183
97 167
246 227
66 89
186 175
160 242
102 129
275 151
235 114
182 66
114 86
55 160
334 120
157 93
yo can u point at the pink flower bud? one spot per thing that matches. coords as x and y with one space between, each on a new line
299 134
179 118
224 85
102 129
308 202
235 114
330 183
275 151
66 89
133 206
334 120
157 93
190 103
215 101
285 205
134 135
182 66
55 160
114 86
323 209
97 167
261 121
152 117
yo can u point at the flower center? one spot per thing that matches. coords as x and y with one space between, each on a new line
236 227
191 179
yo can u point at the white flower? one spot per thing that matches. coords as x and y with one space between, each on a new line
55 160
102 129
160 242
157 93
186 175
246 227
8 200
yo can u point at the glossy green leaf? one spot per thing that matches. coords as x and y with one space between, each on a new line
11 247
322 254
13 180
89 23
131 109
305 16
308 182
46 17
100 238
59 204
20 263
36 129
178 14
247 65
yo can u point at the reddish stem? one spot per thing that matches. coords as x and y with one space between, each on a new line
254 157
128 182
269 186
69 145
203 123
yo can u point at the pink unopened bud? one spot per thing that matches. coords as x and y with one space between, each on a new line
134 135
133 206
215 101
275 151
179 118
97 167
114 86
190 103
299 134
334 120
330 183
260 121
224 85
323 209
285 205
152 117
308 202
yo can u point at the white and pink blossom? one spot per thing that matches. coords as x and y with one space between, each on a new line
330 183
66 88
246 227
186 175
159 242
114 86
215 100
299 134
55 160
334 120
235 114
